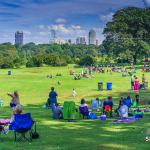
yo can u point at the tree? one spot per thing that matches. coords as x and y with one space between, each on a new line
87 61
128 34
8 55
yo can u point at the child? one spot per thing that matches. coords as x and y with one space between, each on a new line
74 93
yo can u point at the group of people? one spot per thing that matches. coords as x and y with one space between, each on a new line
135 84
107 105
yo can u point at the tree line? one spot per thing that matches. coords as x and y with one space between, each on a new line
32 55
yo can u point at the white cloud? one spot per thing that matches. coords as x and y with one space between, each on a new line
41 27
59 27
76 27
43 33
66 29
60 20
27 32
106 18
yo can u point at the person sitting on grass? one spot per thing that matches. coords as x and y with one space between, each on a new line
128 101
108 102
95 104
57 112
15 99
16 110
123 110
83 108
119 105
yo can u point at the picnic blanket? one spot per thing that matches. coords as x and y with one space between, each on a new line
4 121
124 120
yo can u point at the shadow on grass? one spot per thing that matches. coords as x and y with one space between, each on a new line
80 135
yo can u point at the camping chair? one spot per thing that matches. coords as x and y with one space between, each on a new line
69 111
95 105
134 104
84 111
22 125
107 110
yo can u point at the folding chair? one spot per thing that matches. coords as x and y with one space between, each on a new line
107 110
69 111
95 104
22 125
84 111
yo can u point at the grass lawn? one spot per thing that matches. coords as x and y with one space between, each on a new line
33 87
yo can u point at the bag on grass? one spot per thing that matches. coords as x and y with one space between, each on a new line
35 134
92 116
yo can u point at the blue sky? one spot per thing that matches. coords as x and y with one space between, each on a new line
70 18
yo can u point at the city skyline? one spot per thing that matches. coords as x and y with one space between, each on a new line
69 18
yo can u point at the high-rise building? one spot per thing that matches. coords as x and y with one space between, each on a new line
53 34
19 38
92 37
53 37
80 40
97 42
69 41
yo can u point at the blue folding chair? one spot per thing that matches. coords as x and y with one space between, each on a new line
22 125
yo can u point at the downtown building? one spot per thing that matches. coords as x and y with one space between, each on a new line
19 38
80 40
92 37
55 40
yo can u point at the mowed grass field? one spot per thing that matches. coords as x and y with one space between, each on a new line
34 87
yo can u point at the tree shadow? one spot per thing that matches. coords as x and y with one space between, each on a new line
80 135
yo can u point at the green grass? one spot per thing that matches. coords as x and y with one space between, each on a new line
33 87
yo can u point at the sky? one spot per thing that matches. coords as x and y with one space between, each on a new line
69 18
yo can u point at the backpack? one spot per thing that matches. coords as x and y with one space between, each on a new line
92 116
35 134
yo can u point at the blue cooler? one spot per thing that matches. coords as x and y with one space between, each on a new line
103 117
109 86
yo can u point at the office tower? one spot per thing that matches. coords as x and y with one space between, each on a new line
80 40
53 34
92 37
146 3
69 41
19 38
53 38
97 42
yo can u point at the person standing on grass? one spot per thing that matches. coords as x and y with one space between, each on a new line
52 97
132 81
137 99
15 99
74 93
136 84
